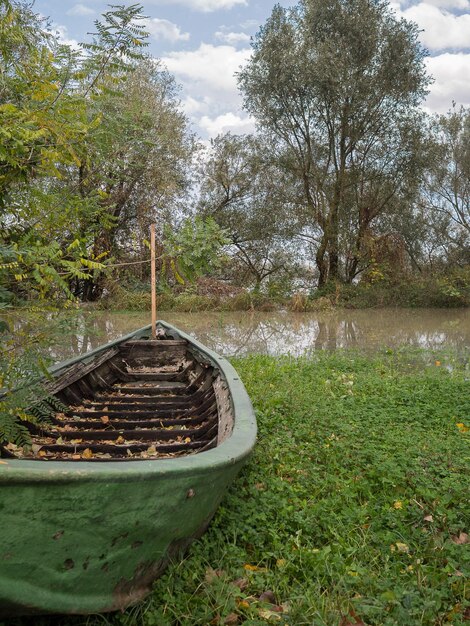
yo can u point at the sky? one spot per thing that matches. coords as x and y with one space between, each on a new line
204 42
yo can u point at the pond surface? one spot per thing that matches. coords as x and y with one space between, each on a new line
242 333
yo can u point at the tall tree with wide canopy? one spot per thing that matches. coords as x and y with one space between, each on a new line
339 83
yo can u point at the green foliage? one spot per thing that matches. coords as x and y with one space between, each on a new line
24 358
193 249
117 43
441 290
22 366
42 270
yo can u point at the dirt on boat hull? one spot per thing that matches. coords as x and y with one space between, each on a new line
89 537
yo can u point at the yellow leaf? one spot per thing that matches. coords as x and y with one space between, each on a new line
462 427
254 568
268 615
87 453
398 504
399 547
437 363
243 604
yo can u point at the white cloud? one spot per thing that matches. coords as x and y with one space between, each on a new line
206 6
441 29
452 81
62 33
227 122
164 29
80 10
232 38
450 4
210 95
250 24
208 68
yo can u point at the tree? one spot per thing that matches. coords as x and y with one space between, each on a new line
338 82
447 188
94 142
134 162
246 191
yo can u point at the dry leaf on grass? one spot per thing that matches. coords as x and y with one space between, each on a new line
351 620
241 583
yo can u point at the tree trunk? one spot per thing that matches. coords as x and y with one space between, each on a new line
321 261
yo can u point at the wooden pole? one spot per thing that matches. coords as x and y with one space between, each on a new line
153 278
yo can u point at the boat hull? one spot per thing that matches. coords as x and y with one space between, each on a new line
92 537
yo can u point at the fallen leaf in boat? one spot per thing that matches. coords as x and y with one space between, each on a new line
120 440
105 419
42 453
460 539
232 618
59 440
35 448
4 462
87 453
76 457
187 440
76 441
151 450
128 452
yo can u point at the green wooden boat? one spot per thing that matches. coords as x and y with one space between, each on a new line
147 438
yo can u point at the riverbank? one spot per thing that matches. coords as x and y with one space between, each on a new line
353 510
452 291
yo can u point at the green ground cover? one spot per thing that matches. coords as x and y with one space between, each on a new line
354 509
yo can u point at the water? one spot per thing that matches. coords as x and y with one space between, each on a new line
242 333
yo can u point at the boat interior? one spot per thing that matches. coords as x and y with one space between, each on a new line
137 400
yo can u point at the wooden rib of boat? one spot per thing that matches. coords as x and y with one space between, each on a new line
144 438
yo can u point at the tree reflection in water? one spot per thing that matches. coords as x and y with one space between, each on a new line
241 333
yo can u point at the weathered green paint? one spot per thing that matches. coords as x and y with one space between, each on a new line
91 537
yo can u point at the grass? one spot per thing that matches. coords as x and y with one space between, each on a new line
352 511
